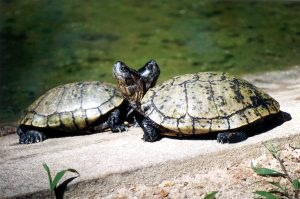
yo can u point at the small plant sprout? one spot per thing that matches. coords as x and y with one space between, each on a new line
280 190
53 183
211 195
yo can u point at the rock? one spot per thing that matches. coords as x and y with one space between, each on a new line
114 163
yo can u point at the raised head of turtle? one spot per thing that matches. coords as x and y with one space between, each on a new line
134 84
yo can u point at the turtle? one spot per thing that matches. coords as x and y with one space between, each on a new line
81 107
203 103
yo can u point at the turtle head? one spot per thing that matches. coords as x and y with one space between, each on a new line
130 83
149 73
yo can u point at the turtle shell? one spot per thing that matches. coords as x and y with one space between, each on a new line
72 106
205 102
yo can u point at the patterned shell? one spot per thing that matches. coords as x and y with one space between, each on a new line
205 102
72 106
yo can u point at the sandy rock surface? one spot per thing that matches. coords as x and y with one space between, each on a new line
123 166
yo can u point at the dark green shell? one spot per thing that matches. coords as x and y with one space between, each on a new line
206 102
72 106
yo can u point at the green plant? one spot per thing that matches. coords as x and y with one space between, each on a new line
211 195
53 183
280 190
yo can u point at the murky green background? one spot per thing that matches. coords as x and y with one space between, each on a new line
44 43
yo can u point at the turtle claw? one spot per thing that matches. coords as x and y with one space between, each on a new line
135 124
120 128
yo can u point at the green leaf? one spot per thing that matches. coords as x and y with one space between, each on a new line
272 149
266 172
296 184
266 194
73 171
211 195
59 175
49 174
276 184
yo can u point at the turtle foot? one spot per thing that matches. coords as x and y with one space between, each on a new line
119 128
231 137
148 138
151 133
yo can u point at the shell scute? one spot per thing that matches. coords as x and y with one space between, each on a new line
80 118
202 125
39 120
53 121
185 124
92 115
68 121
219 124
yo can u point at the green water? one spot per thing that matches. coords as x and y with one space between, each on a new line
44 43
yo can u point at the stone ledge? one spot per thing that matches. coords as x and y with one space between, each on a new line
107 161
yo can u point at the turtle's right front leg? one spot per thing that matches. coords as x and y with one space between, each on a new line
115 122
151 133
30 136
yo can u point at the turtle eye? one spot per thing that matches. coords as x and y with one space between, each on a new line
123 69
120 66
149 67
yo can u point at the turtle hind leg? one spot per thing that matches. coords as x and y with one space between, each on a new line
115 122
30 136
231 137
283 117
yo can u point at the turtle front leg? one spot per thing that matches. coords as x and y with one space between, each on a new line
132 118
30 136
151 133
115 122
231 137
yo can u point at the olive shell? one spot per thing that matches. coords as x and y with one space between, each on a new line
205 102
72 106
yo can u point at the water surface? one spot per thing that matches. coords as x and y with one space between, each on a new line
47 43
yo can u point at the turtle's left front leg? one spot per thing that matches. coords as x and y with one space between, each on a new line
131 117
115 122
151 133
231 137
